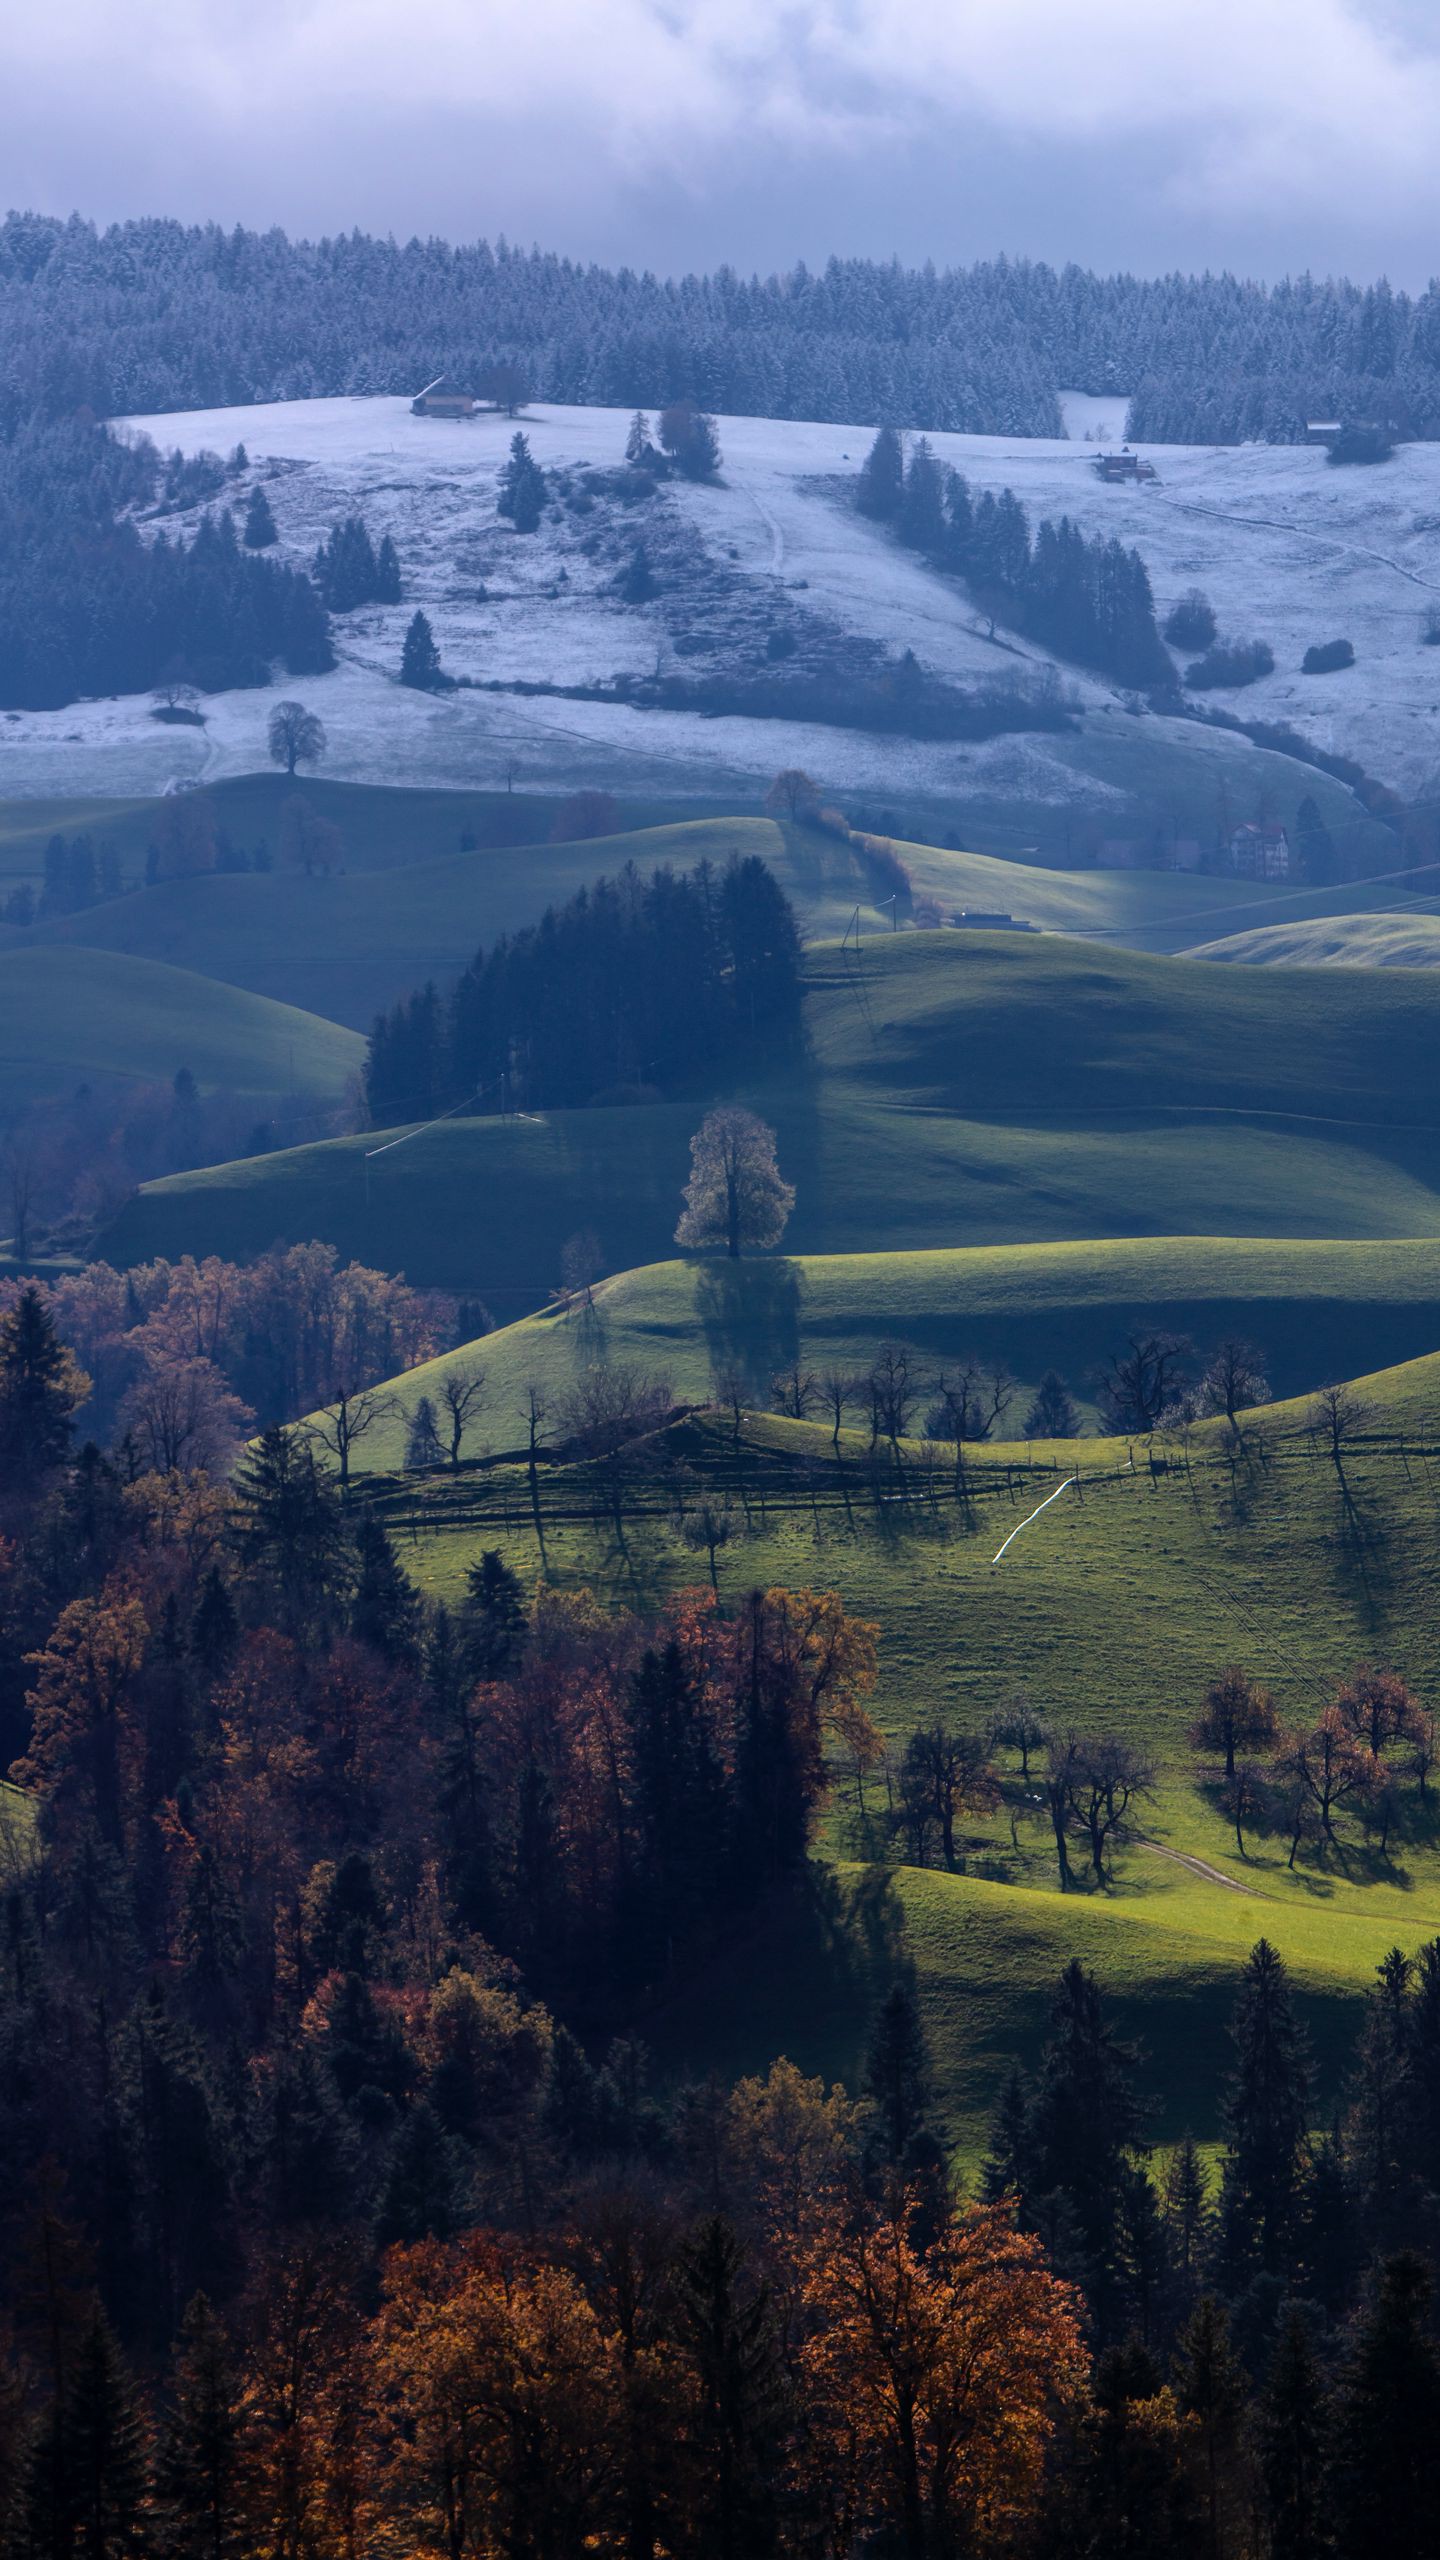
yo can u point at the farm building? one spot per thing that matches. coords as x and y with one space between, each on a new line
1124 466
443 398
1259 852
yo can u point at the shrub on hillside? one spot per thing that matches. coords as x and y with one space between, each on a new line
1361 444
1230 664
1325 656
1191 623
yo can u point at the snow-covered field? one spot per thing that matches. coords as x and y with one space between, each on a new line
1289 550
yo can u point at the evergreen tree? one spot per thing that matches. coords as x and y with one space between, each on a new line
738 2398
385 1608
1212 2388
290 1529
521 489
423 1447
495 1621
40 1389
1086 2122
423 2186
922 505
85 2487
1052 1414
215 1626
1385 2479
1267 2115
387 572
200 2466
1315 852
420 659
882 478
1292 2438
260 530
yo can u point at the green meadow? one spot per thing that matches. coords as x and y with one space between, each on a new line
951 1089
1112 1609
66 1016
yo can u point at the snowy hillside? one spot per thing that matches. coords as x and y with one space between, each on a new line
1289 550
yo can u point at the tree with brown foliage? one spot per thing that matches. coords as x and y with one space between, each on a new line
1236 1716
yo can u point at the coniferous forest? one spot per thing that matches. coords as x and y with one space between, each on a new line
632 985
90 605
152 315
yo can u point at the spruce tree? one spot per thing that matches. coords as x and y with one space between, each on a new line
423 2184
495 1622
1267 2113
420 659
1086 2123
200 2466
387 572
40 1388
737 2397
385 1609
423 1446
882 478
1292 2436
1212 2388
260 529
1385 2477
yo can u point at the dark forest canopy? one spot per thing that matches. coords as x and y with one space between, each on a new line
153 315
632 984
89 605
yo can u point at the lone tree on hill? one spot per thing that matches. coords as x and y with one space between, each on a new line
259 522
296 736
792 794
420 659
735 1195
689 437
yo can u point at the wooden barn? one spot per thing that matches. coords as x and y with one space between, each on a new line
444 398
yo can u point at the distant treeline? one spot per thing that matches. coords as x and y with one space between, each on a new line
88 606
151 315
632 983
1089 601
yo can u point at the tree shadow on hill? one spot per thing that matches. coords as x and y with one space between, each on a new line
749 1313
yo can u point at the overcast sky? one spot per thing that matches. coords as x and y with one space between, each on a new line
1264 135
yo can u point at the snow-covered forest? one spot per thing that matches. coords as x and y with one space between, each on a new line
154 316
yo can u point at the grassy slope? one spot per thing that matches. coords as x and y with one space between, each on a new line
1351 942
980 1089
1114 1609
358 940
1316 1308
66 1015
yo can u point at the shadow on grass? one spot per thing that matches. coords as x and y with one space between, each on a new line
749 1313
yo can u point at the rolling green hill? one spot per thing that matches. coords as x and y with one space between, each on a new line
69 1014
1345 942
956 1089
1316 1308
347 945
1113 1608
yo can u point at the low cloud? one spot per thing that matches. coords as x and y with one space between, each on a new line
1237 120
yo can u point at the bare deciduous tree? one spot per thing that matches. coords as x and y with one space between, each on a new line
794 1392
1234 1379
351 1417
706 1526
462 1390
1139 1382
1333 1418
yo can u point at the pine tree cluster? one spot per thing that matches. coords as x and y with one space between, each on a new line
89 607
1088 600
632 982
349 570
